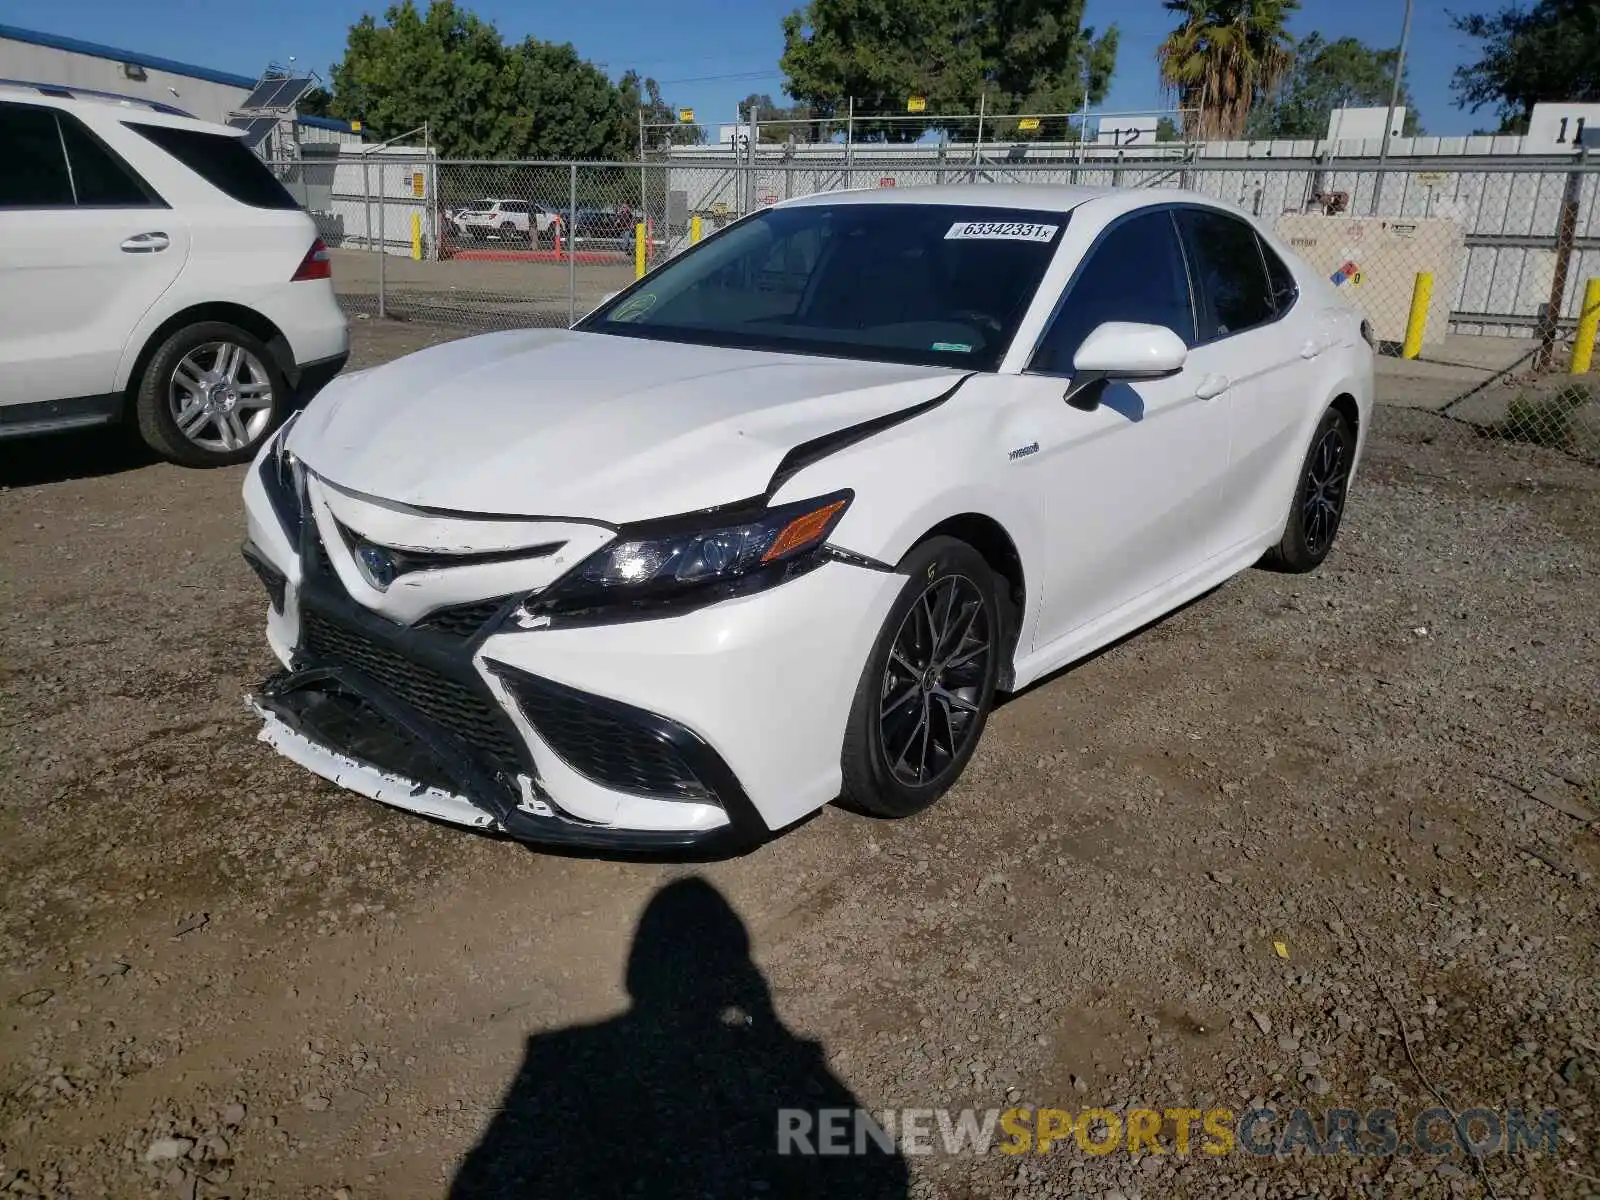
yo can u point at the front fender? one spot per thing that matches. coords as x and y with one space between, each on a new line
946 463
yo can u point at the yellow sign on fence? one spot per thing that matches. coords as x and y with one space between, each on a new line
686 116
1028 124
418 184
917 104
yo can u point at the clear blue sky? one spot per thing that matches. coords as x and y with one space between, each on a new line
687 41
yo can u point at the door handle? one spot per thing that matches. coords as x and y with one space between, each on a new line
1211 386
146 243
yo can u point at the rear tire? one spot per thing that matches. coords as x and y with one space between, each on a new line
1319 497
927 687
210 363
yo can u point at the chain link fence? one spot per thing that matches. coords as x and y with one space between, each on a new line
1479 277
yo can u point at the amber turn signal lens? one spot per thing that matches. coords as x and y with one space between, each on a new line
803 530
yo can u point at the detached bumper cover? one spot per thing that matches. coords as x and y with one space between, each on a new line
720 724
352 731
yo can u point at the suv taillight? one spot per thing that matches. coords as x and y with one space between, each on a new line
315 265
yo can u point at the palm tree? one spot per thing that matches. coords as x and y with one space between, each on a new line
1223 57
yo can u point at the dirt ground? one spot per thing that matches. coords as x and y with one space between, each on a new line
220 976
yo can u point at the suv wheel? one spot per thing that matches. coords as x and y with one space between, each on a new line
209 395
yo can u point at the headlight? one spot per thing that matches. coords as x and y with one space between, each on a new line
669 562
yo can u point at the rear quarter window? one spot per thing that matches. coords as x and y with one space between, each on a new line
222 161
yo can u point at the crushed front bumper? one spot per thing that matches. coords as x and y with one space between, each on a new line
353 733
710 727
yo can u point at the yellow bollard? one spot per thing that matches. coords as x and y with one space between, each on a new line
416 236
1417 322
638 251
694 229
1588 326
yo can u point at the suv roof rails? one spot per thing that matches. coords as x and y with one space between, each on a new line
61 91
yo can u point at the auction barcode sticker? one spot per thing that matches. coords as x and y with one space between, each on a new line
1013 231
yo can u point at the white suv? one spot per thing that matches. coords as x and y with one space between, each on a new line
503 218
153 271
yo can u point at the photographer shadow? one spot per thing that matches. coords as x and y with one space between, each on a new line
679 1096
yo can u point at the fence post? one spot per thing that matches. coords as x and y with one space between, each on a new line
1566 232
638 250
416 237
383 251
1417 321
694 230
572 248
1588 326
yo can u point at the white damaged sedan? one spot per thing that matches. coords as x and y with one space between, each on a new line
776 524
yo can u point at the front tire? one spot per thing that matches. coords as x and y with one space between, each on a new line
926 691
209 396
1319 497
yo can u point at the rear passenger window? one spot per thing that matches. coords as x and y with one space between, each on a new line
1284 289
100 179
222 161
35 170
1230 276
1136 273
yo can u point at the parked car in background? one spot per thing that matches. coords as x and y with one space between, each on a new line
507 219
153 271
605 224
777 523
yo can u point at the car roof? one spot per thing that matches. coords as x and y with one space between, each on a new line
1039 197
88 100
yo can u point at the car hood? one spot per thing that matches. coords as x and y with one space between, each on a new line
557 423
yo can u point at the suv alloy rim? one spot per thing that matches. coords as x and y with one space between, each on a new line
220 397
934 681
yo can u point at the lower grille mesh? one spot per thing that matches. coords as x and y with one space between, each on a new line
462 620
603 745
456 707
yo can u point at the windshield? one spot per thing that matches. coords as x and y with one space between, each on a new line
944 285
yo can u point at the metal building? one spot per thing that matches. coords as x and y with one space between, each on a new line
27 54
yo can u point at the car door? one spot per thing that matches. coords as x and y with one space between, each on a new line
86 247
1128 489
1247 307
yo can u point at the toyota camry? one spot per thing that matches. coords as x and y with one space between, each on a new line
775 525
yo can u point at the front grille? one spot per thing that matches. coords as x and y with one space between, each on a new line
462 620
457 707
603 744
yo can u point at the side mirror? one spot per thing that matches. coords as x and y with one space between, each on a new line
1122 350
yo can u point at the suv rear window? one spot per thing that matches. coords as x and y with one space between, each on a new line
36 167
222 161
54 162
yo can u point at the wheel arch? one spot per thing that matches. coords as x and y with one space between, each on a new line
990 538
247 319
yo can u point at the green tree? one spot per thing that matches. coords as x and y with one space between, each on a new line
797 121
482 98
661 125
1329 75
1223 58
1548 52
1018 55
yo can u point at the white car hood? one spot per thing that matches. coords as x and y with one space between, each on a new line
554 423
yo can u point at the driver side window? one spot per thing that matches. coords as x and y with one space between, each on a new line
1135 273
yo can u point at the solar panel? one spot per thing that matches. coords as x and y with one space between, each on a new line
258 98
255 128
289 91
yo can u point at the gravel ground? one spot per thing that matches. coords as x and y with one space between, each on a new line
222 977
